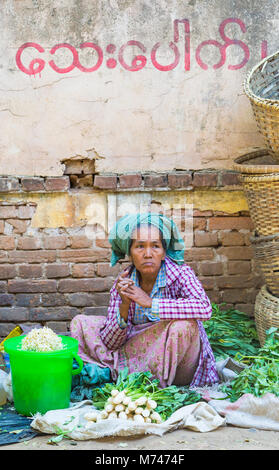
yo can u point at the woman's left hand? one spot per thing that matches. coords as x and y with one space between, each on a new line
138 295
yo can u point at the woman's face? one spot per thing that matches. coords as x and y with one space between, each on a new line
147 251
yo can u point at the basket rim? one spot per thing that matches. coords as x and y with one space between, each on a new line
257 239
265 293
247 89
240 166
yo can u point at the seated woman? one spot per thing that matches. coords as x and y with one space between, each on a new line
157 306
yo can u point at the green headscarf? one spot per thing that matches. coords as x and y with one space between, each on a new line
120 235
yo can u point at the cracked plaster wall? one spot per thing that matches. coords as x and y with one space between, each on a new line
145 120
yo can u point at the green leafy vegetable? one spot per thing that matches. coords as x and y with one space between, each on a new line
231 332
262 372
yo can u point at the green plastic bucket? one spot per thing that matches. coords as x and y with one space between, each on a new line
41 381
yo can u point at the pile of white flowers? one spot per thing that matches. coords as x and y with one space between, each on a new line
41 340
120 405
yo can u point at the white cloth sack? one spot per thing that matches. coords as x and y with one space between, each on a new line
199 417
250 411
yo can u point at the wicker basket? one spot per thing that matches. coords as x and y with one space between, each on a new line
262 88
266 313
267 257
260 178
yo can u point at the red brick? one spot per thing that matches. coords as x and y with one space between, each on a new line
105 182
232 238
211 268
95 311
234 282
53 313
28 300
32 256
105 270
230 223
205 239
7 242
60 183
57 270
26 211
155 181
84 255
3 286
4 257
32 184
208 283
2 225
7 212
205 179
195 254
9 184
30 271
246 308
28 243
55 242
102 243
7 271
19 226
81 299
130 181
199 223
80 241
32 286
52 300
230 179
6 299
17 314
83 285
179 180
236 252
234 295
83 270
239 267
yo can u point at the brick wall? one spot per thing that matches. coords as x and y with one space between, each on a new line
47 276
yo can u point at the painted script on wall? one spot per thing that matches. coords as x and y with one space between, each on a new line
37 65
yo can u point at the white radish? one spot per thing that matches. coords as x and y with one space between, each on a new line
138 410
104 414
118 398
110 400
112 415
141 401
156 417
151 404
119 408
122 415
109 408
145 413
114 392
147 420
126 400
132 406
92 416
139 419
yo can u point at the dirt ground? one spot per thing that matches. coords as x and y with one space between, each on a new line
224 438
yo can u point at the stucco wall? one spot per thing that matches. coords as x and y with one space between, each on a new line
180 106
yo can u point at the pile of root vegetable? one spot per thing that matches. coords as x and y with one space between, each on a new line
139 398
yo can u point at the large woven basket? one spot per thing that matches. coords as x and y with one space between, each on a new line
266 313
261 85
266 251
259 176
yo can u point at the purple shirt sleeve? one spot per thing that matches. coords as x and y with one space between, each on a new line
189 301
112 334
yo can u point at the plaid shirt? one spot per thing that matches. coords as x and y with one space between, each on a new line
176 295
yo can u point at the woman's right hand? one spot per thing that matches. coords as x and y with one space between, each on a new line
122 283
